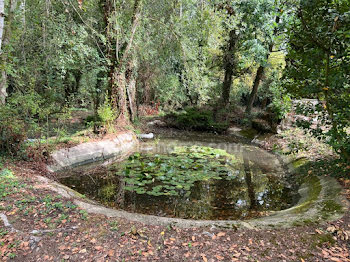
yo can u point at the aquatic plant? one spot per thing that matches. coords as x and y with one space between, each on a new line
174 174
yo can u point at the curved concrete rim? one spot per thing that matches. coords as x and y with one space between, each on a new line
118 147
313 213
321 205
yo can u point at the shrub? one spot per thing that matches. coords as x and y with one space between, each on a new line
12 131
107 116
195 119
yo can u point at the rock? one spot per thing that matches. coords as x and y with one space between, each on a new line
146 136
33 242
208 234
234 129
157 122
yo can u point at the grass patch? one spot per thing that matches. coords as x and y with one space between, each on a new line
9 183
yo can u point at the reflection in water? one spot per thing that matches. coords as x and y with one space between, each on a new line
251 188
248 180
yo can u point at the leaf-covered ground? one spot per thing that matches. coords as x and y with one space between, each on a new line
43 226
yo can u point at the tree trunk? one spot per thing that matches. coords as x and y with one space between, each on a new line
131 92
5 39
3 80
119 98
258 76
2 20
229 66
119 57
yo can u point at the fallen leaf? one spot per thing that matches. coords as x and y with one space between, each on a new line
219 257
331 229
221 234
336 259
93 241
111 253
237 254
318 231
98 248
325 253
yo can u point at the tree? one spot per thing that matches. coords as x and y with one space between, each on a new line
5 29
318 65
120 37
260 72
252 27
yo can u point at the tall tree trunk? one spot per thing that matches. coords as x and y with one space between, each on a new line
118 96
229 66
131 91
2 20
5 39
258 76
119 57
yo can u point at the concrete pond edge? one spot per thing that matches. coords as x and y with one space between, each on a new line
321 197
326 205
118 147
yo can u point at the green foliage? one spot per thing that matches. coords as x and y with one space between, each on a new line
12 131
9 184
92 119
176 173
318 66
195 119
60 53
201 152
281 102
107 116
107 192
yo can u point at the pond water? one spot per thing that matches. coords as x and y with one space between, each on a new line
206 178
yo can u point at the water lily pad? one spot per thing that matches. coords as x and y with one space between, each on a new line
168 174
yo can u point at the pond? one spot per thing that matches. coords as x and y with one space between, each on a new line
192 177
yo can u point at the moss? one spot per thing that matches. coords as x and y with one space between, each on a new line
248 133
308 222
304 222
299 162
314 189
319 239
329 207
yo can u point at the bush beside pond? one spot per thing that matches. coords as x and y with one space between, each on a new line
195 119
